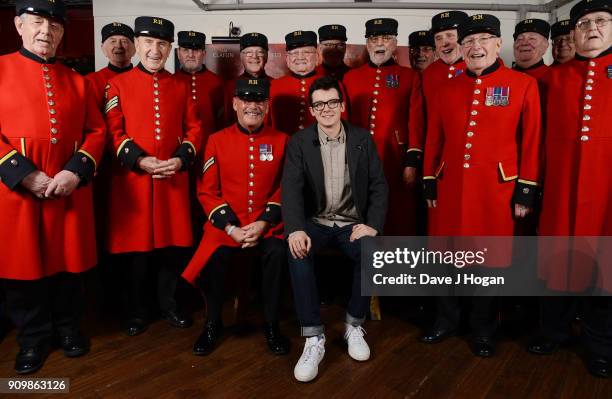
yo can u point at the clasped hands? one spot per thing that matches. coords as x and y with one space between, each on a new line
159 169
43 186
248 235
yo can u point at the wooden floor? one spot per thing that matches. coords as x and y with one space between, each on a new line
159 364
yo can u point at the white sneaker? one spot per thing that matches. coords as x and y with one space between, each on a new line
307 367
358 348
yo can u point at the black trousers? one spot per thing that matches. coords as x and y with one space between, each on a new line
150 275
44 307
482 315
557 313
273 259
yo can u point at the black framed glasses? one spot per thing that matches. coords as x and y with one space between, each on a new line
331 104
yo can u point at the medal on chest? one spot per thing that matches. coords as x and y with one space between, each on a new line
265 152
392 81
609 71
497 96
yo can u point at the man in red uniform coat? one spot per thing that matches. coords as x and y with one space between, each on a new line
578 187
46 160
240 191
289 94
386 99
206 88
478 177
563 48
530 45
118 48
253 57
155 132
332 47
422 52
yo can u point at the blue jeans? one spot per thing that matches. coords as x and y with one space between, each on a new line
304 282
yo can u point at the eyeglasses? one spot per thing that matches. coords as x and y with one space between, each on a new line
331 104
254 54
585 24
482 41
333 45
301 53
385 38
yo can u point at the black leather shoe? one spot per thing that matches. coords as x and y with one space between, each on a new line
207 341
177 319
483 346
74 345
278 344
543 346
435 335
135 326
598 366
30 360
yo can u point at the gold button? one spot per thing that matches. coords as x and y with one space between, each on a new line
450 76
193 77
251 175
475 102
158 137
477 91
194 91
302 89
251 148
156 85
591 73
589 88
251 157
371 131
157 115
52 111
301 118
451 68
301 127
53 130
472 123
157 122
250 184
48 85
468 145
372 125
50 93
592 63
377 77
478 81
156 99
587 106
251 139
466 165
14 162
303 81
585 129
376 85
53 120
587 97
526 190
375 92
586 118
250 209
47 77
222 211
51 102
126 150
590 81
53 140
373 109
474 112
251 193
84 159
250 202
156 108
251 166
46 69
194 97
467 157
378 70
584 138
157 130
470 134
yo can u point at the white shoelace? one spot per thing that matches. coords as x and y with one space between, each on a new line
355 334
309 352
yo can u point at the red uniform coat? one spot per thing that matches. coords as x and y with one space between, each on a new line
240 185
49 122
388 102
482 157
207 90
577 198
538 70
289 103
149 114
435 77
100 80
101 184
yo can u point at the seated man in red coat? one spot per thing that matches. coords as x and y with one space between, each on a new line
155 132
51 140
240 192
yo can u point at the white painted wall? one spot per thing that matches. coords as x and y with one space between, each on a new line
276 23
